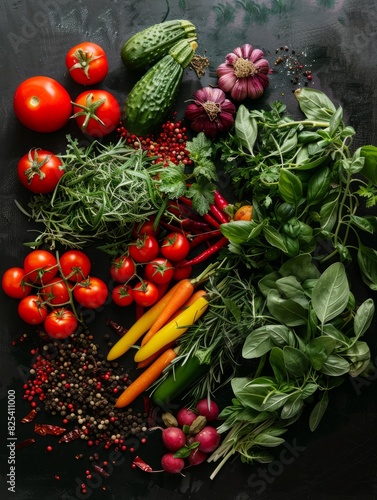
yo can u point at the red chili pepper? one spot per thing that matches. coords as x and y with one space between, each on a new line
222 217
207 253
208 218
47 429
190 224
220 201
121 330
25 443
202 238
101 470
70 436
29 417
139 462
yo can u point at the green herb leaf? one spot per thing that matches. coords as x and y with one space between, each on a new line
367 259
287 311
296 362
318 411
315 104
290 187
257 343
363 317
319 349
246 128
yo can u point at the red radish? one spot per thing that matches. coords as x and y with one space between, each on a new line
196 457
185 416
208 438
208 409
173 438
172 464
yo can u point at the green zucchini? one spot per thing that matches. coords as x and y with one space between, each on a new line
148 46
153 95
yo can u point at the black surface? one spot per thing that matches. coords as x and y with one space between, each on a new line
338 40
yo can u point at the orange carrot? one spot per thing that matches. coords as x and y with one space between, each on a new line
195 296
148 361
181 294
146 379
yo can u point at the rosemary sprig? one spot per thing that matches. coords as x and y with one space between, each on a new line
104 191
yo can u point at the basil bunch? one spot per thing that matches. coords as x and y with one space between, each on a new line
304 183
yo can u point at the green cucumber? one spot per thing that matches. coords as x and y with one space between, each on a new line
152 96
148 46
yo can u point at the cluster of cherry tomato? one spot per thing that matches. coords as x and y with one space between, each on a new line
143 273
49 288
42 104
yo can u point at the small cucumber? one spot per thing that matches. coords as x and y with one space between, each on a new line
148 46
152 96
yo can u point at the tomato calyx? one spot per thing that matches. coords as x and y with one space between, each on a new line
89 110
84 59
35 165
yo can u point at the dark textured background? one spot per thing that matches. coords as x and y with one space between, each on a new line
338 39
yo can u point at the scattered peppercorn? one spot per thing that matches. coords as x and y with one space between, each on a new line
293 63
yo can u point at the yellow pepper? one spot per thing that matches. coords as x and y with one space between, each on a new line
141 326
173 330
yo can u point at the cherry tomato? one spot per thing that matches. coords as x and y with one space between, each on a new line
75 265
159 271
42 104
144 249
122 269
87 63
145 293
60 323
55 292
146 227
175 247
32 310
91 292
15 284
96 112
181 273
40 265
123 295
39 171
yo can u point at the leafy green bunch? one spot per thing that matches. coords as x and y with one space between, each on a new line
305 185
310 339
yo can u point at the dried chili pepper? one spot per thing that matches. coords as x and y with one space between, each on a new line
25 443
101 470
139 462
121 330
70 436
29 417
47 429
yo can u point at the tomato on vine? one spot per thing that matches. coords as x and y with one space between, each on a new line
122 269
87 63
159 271
42 104
55 292
39 171
91 292
147 227
32 310
97 112
75 265
40 266
144 249
60 323
122 295
175 247
15 284
145 293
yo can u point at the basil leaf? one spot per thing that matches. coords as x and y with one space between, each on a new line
246 128
315 104
318 411
331 293
274 238
331 331
257 343
329 214
290 187
287 311
363 317
335 121
266 440
308 390
276 360
362 223
318 186
367 259
241 231
275 400
292 407
319 349
296 362
301 267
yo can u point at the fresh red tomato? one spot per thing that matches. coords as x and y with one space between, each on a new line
181 273
40 266
123 295
42 104
91 292
75 265
87 63
122 269
144 249
159 271
146 227
32 310
97 112
145 293
55 292
175 247
60 323
39 171
15 284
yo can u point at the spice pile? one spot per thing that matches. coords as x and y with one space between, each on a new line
293 62
72 379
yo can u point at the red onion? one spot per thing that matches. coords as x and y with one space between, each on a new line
211 112
244 73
